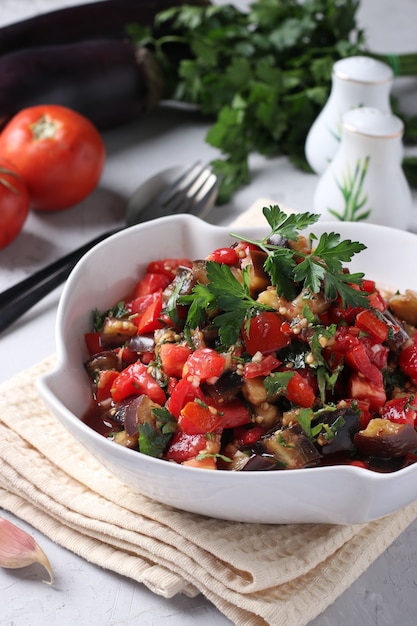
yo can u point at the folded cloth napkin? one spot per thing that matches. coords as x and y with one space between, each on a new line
255 574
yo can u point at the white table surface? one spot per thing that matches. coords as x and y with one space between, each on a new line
83 593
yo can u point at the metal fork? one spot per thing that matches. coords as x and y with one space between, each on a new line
194 191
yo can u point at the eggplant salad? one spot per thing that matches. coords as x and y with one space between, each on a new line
265 355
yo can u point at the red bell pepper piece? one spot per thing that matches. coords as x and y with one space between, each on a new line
198 418
357 358
183 446
253 369
362 389
104 383
399 411
408 361
183 392
150 283
168 266
234 412
368 321
300 392
136 380
151 318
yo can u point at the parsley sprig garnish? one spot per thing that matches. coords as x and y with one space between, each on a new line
228 303
226 294
292 271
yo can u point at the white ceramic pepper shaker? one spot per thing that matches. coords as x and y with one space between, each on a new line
365 181
356 81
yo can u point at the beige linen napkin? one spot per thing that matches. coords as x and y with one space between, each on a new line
255 574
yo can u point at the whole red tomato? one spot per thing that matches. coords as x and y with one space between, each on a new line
14 203
59 153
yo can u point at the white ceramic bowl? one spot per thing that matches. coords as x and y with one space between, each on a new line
339 494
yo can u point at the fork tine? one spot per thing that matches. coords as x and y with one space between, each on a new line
207 197
181 184
186 196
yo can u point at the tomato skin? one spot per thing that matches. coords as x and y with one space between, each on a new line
205 363
260 368
150 319
173 357
300 392
358 360
234 413
168 266
104 384
93 342
368 321
227 256
399 411
362 389
14 203
58 152
151 283
183 392
408 361
184 446
265 333
135 380
138 306
197 418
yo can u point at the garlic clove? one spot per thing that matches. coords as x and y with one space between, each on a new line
19 549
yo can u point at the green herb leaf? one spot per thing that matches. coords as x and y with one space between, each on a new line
119 310
262 74
153 439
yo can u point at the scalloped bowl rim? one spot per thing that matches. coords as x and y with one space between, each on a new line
336 494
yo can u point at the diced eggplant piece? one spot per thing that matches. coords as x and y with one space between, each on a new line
106 360
142 343
199 270
259 279
132 412
254 390
125 440
259 463
404 306
339 429
384 439
291 448
184 282
117 331
227 387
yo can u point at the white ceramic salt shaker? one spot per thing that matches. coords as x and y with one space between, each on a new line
356 81
365 181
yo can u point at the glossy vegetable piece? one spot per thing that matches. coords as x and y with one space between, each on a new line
59 153
78 76
265 333
14 203
291 448
135 380
106 18
385 439
197 418
400 410
205 364
408 360
338 431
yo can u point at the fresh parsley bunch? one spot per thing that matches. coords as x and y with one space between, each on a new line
263 74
